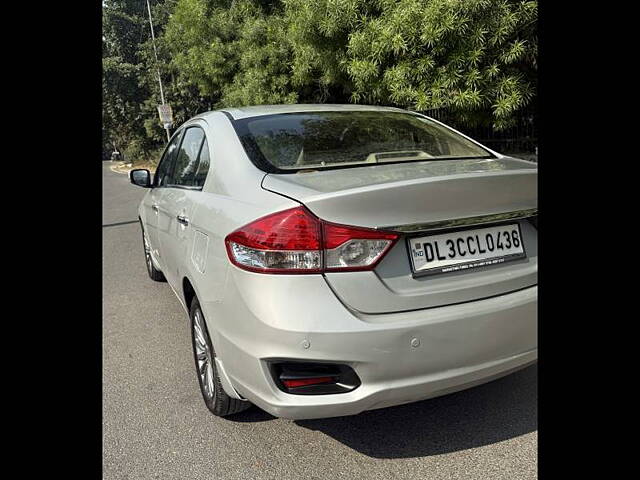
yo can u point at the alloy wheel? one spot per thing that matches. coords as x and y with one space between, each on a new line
147 252
204 356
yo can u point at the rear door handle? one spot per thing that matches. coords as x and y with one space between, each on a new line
155 208
182 219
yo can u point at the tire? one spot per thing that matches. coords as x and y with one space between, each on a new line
215 398
155 274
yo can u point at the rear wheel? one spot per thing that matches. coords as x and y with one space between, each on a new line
154 273
215 398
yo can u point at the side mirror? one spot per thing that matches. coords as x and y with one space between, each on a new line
140 177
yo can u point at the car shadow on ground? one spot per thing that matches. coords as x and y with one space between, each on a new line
483 415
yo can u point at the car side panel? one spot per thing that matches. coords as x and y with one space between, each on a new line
176 236
231 197
149 219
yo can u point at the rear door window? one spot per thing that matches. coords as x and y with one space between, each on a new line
164 169
203 165
186 165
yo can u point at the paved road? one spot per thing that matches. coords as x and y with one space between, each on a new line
156 426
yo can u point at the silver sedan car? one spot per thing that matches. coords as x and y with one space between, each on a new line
340 258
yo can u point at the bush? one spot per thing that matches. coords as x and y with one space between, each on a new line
137 153
134 152
154 156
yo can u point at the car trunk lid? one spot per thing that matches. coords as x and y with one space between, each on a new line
405 197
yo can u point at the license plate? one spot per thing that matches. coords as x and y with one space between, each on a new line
465 249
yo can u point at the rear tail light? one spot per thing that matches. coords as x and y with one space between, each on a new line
296 241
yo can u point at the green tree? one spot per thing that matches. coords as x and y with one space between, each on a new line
184 97
474 58
131 91
234 52
471 56
121 90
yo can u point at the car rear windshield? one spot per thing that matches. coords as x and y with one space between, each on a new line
319 140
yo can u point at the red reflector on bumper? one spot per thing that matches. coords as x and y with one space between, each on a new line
307 381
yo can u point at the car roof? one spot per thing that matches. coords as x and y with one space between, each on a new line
238 113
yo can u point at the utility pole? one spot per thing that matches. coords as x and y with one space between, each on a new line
155 53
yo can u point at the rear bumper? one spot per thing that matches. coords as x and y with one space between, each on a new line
394 391
459 345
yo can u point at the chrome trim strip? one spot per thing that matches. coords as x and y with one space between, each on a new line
462 222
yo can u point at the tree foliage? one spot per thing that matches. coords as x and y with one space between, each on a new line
131 92
476 58
236 53
121 90
472 56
